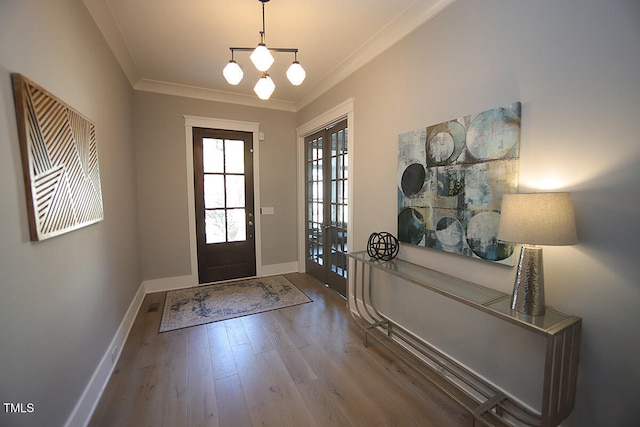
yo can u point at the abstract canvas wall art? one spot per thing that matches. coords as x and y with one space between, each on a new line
59 162
451 178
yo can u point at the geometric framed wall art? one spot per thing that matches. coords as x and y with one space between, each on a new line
451 178
59 162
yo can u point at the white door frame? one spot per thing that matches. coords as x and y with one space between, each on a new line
206 122
338 112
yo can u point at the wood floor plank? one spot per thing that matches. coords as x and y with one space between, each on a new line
220 350
232 408
296 365
400 400
202 404
288 320
300 366
342 389
153 344
121 393
322 405
255 387
145 403
405 379
286 394
236 332
173 381
258 337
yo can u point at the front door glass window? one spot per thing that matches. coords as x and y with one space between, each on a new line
224 190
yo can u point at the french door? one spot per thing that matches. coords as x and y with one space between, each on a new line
327 205
223 169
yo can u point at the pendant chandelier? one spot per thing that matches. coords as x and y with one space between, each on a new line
262 59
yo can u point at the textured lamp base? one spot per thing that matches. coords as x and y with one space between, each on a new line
528 289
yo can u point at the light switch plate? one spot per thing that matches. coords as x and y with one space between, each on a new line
267 211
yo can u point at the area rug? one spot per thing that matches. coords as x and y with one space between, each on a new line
184 308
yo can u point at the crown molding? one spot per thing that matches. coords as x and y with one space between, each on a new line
411 18
165 88
106 23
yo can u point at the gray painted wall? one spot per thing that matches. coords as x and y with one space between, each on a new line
62 300
575 66
162 179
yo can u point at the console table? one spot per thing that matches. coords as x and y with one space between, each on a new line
489 405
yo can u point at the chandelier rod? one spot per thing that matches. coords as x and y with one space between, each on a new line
262 33
274 49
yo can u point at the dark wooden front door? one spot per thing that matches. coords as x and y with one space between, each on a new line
223 168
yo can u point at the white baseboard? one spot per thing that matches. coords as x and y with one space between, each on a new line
275 269
169 283
83 411
181 282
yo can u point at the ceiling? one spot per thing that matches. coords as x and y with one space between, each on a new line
181 46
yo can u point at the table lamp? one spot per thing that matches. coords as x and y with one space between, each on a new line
535 219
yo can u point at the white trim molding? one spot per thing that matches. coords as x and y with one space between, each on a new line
340 111
166 88
88 402
275 269
407 22
169 283
206 122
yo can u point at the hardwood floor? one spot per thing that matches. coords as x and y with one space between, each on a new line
299 366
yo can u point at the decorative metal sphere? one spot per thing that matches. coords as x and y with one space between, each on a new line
383 246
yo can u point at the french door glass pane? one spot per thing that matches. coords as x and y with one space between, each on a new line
213 191
345 170
236 223
235 191
212 155
225 225
317 170
234 156
318 211
317 191
215 226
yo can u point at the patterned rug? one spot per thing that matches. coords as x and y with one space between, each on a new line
184 308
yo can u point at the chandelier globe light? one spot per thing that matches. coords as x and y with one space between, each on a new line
262 59
265 87
233 73
296 73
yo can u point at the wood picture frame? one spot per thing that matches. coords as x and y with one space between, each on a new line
59 162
